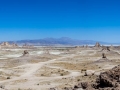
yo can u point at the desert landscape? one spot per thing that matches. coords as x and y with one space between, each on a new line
59 68
59 44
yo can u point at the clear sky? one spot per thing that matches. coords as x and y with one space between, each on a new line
77 19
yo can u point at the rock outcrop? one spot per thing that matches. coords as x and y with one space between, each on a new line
112 47
77 46
14 45
5 44
97 44
109 80
25 53
8 45
103 55
105 48
103 59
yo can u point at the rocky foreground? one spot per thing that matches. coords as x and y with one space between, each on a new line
109 80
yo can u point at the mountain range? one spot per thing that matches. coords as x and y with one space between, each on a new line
58 41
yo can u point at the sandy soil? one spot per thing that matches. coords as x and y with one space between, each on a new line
57 68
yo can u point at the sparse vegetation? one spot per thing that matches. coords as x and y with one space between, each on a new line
44 70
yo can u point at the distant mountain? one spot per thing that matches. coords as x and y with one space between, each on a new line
58 41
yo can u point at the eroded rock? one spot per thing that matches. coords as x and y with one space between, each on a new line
97 44
25 53
109 80
103 55
104 48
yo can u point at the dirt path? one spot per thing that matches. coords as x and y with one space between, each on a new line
32 68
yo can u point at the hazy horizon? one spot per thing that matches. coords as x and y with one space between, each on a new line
77 19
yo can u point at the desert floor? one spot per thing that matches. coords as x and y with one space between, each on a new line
47 68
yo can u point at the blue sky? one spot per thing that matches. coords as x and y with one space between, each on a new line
77 19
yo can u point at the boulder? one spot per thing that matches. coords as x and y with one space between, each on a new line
89 72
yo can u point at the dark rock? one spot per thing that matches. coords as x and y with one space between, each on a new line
103 55
52 89
8 77
84 85
109 80
25 53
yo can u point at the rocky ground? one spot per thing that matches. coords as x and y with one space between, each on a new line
59 68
